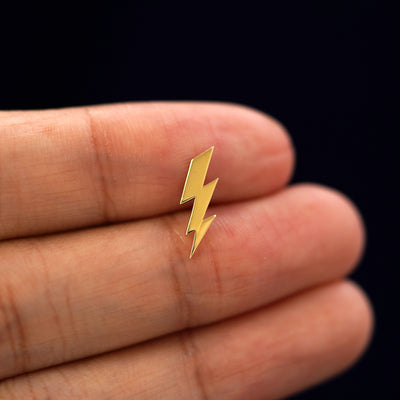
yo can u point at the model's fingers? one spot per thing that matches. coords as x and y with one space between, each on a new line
74 295
72 168
267 354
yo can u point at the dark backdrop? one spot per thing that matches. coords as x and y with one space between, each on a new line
325 69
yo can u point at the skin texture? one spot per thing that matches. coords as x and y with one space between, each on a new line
98 297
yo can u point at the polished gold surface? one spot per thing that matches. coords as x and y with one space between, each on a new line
195 189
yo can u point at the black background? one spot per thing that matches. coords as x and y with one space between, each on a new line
325 69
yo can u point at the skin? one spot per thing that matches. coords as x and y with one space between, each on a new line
98 297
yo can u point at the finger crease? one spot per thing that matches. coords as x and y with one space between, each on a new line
47 293
105 195
190 353
18 339
175 256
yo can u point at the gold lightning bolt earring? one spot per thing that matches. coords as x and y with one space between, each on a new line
194 189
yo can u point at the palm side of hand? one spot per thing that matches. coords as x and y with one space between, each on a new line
98 298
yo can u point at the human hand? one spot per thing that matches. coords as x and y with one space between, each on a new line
98 297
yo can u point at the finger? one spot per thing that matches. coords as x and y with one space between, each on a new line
72 168
267 354
93 291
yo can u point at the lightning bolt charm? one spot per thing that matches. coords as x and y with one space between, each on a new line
194 189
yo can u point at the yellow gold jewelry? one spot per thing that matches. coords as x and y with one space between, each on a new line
194 189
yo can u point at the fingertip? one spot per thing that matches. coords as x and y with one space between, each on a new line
270 145
276 131
357 320
340 213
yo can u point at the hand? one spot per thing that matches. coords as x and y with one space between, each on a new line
98 296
